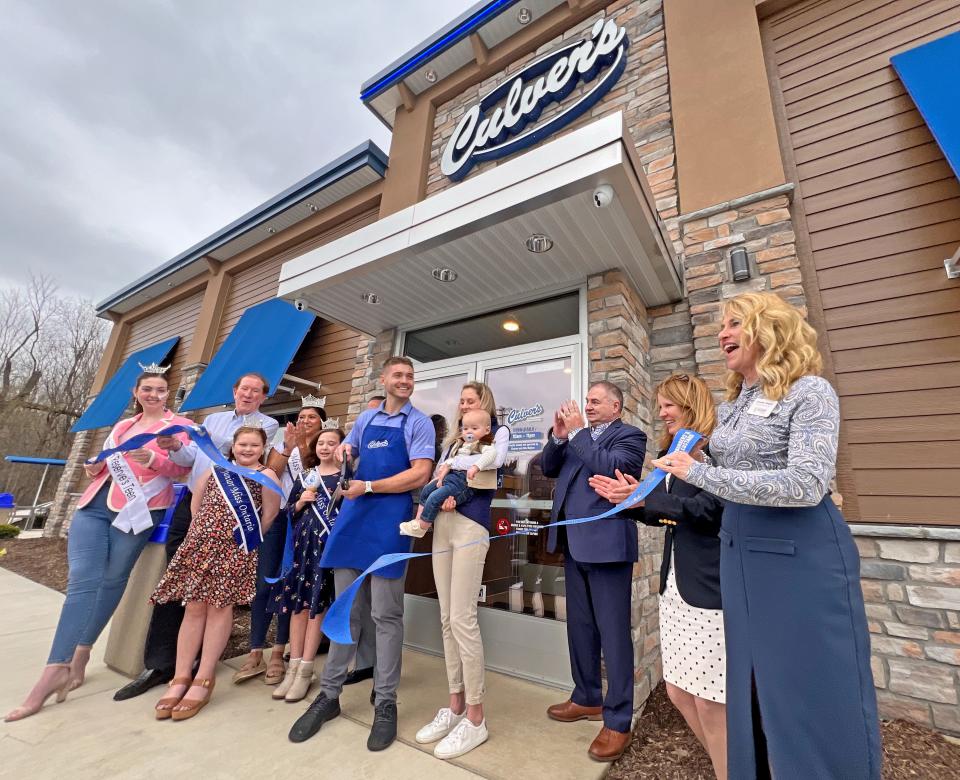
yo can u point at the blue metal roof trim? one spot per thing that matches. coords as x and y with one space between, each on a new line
36 461
443 39
366 154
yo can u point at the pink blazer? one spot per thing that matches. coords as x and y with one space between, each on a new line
160 466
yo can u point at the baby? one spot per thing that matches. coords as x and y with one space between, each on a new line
475 456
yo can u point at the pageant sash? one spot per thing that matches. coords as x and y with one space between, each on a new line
134 517
320 509
336 624
246 531
199 435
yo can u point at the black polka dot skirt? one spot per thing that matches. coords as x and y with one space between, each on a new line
692 645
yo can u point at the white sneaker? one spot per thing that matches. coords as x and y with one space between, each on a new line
413 528
440 726
464 738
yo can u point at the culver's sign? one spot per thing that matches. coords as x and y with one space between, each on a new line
505 120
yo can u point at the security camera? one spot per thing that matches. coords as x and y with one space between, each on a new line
603 196
300 305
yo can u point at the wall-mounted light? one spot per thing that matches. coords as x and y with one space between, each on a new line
510 325
739 264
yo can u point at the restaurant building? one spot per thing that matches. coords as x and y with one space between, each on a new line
572 190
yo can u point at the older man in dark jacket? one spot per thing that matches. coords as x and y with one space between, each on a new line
599 558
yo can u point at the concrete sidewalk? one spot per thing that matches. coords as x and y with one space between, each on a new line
243 732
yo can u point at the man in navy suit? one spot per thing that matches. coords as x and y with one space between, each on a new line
598 565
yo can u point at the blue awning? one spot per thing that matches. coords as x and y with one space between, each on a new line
929 72
117 393
264 341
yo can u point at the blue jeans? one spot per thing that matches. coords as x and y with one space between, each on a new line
100 558
268 565
432 497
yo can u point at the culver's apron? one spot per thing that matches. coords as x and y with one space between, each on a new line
368 527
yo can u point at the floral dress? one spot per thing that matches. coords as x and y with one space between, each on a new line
306 585
209 566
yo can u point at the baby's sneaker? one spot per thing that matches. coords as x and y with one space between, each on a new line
413 528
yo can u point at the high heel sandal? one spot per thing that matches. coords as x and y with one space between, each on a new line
193 706
22 711
170 702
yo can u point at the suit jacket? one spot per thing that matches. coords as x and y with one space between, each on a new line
693 539
160 466
572 463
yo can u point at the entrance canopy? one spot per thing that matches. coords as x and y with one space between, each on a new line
479 229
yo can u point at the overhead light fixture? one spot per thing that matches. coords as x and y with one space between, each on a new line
372 298
739 264
313 207
271 230
444 274
539 243
430 75
510 325
524 16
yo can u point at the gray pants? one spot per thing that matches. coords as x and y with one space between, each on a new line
366 644
382 599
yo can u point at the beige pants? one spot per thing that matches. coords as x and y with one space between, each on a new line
458 576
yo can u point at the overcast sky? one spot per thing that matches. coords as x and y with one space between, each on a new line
132 129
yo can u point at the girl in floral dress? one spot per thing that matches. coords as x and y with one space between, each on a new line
306 590
211 573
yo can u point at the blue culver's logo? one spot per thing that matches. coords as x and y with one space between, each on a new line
519 415
489 131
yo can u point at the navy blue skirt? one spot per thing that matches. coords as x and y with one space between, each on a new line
796 634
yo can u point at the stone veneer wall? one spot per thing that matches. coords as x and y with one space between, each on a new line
371 352
911 585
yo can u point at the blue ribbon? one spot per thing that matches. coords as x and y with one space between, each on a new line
199 434
336 623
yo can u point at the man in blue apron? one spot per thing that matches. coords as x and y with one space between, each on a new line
394 443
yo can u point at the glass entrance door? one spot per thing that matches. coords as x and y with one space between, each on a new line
522 595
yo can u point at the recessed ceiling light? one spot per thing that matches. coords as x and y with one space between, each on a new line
271 230
524 16
313 207
539 243
510 325
430 75
444 274
372 298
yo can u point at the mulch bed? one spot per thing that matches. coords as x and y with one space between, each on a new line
663 747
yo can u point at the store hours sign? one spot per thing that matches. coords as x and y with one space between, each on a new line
506 119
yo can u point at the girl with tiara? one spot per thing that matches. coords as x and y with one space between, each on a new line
306 591
216 568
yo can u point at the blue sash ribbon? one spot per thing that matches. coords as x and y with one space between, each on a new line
246 533
199 435
336 624
319 508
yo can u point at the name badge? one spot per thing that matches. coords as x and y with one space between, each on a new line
762 407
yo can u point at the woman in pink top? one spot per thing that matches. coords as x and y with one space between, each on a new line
106 536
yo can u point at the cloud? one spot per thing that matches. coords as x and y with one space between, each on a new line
133 130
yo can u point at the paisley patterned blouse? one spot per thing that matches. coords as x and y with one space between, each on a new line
786 459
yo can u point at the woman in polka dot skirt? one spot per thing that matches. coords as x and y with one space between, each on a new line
691 621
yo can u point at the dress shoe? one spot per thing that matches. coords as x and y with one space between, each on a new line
384 729
609 745
358 675
569 711
319 712
149 678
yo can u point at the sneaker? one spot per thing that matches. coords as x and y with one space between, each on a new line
384 729
440 726
464 738
319 712
413 528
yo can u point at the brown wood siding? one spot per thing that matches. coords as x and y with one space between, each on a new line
328 353
882 210
177 319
